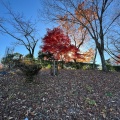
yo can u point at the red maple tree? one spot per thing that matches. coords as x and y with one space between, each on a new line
58 44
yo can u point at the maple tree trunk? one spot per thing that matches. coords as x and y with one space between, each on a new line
62 64
76 65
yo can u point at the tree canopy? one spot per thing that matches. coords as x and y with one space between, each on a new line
59 44
91 15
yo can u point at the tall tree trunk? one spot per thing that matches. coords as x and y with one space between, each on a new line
101 52
94 58
31 53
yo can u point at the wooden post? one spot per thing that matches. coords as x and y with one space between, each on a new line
54 68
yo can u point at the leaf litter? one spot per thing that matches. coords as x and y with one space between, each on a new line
72 95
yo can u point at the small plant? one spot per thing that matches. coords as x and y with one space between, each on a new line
48 66
109 94
89 88
90 101
85 67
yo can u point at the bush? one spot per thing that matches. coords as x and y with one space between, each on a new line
110 68
30 69
113 68
79 65
85 67
69 65
48 66
117 68
46 63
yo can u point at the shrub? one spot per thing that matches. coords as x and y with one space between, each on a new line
113 68
79 65
48 66
30 69
110 68
45 63
85 67
117 68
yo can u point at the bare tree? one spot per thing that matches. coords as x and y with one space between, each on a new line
113 43
1 22
24 31
93 15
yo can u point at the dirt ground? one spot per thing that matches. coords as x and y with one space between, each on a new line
72 95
